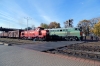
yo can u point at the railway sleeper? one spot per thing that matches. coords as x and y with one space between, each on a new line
91 56
98 57
98 50
66 51
49 51
69 53
59 50
83 55
76 53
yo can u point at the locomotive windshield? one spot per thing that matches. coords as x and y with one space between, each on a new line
76 28
41 28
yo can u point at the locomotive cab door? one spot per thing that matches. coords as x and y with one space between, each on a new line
38 31
67 34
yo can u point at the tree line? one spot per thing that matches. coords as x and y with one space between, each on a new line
51 25
46 26
90 27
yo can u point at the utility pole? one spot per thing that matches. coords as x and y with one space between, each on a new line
27 18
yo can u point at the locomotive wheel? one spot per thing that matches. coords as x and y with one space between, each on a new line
43 39
22 38
40 39
76 38
25 38
36 39
70 39
73 39
67 39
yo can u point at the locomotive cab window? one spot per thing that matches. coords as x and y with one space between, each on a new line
60 30
76 29
55 30
22 33
63 29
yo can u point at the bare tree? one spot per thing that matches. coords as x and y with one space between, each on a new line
93 21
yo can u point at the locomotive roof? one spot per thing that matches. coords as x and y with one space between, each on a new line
61 28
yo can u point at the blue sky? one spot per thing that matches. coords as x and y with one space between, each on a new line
12 12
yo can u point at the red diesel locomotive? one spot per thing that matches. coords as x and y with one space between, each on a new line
37 34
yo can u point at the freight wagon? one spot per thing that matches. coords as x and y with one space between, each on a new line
14 34
3 34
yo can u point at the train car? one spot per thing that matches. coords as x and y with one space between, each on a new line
3 34
65 33
14 34
37 34
0 35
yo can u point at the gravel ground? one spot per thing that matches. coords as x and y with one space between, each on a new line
17 56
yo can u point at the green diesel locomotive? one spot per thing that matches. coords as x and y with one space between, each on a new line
69 34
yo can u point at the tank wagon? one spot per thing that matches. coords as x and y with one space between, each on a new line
68 34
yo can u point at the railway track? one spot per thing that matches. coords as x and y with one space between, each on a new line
71 50
18 41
